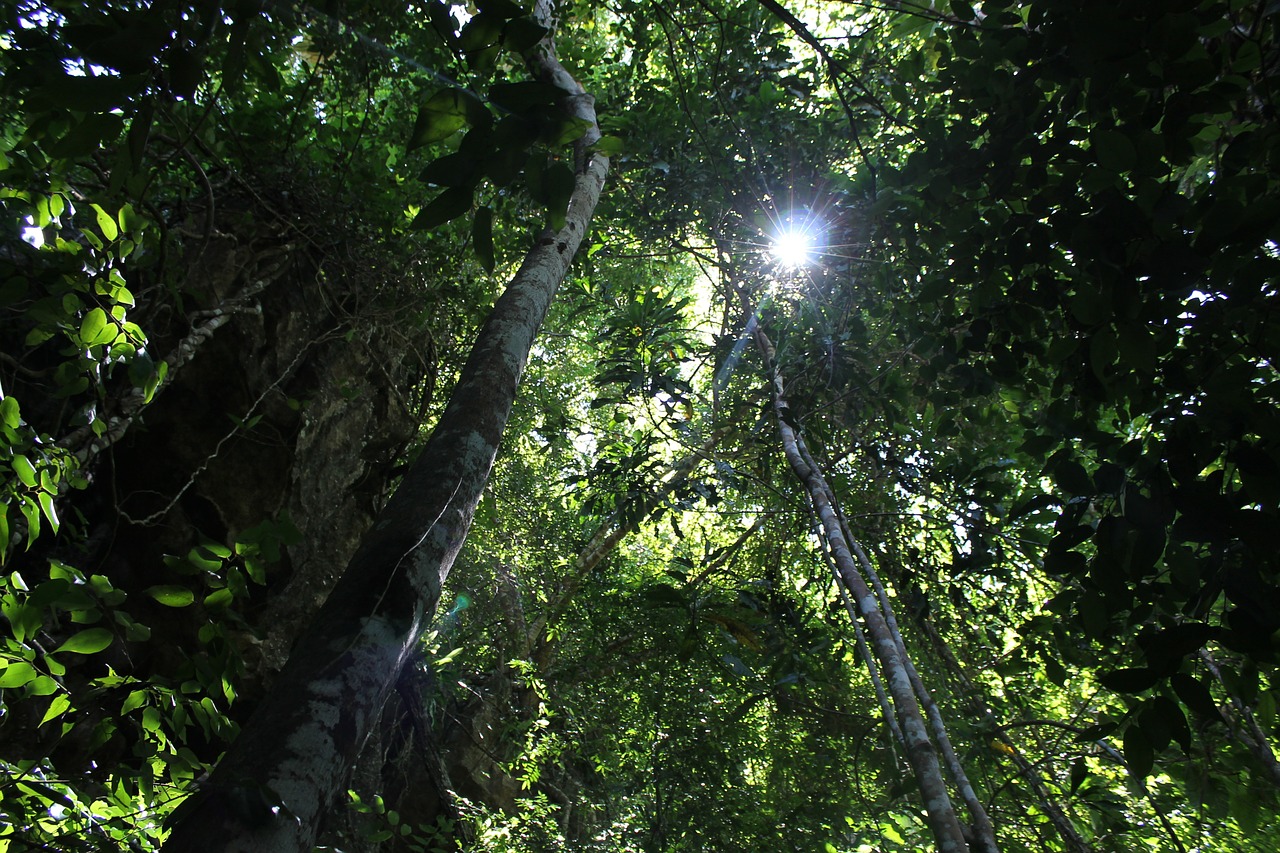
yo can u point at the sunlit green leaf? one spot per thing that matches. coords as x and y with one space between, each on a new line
9 412
24 469
87 642
172 596
16 674
106 223
57 708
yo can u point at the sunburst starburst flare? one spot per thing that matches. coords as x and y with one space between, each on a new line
793 248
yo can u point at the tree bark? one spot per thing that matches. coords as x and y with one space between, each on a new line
921 753
984 835
295 754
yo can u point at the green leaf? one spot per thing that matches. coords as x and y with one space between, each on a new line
502 8
525 95
151 718
130 221
739 668
562 131
136 139
217 549
447 206
106 223
609 146
558 182
185 72
93 94
92 327
480 33
1129 680
444 114
665 595
24 469
204 560
133 701
59 592
482 237
1079 772
1196 696
50 511
1138 753
521 34
1245 808
87 642
17 674
10 415
1071 477
1114 151
130 48
43 685
460 169
57 708
219 598
31 511
171 595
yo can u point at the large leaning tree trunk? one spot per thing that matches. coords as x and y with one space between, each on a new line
294 755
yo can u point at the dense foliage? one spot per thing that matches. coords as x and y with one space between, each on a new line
248 246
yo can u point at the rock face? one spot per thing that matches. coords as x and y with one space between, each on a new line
283 428
295 413
277 433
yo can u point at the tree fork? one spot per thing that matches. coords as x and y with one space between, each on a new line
293 757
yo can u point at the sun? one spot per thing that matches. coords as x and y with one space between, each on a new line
793 248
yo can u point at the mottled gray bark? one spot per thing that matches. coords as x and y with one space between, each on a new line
293 758
984 835
921 754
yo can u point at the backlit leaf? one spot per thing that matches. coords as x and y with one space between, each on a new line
87 642
172 595
444 114
447 206
106 223
57 708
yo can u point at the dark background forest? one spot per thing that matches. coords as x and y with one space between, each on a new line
952 532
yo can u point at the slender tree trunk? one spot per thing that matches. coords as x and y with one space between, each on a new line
921 754
983 831
295 754
864 652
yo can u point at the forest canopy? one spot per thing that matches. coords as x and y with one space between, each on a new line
639 426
